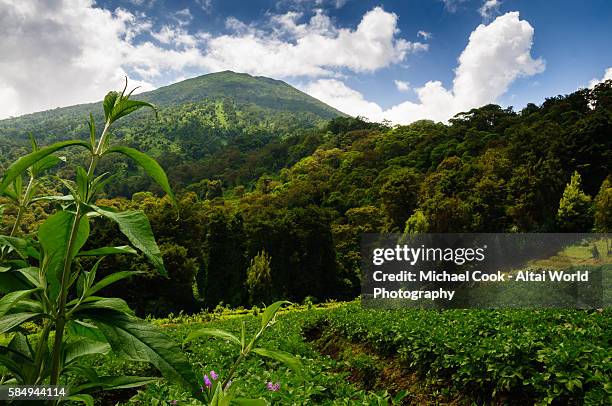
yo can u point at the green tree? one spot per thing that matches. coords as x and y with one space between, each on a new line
399 195
226 263
603 210
259 278
603 207
417 223
575 212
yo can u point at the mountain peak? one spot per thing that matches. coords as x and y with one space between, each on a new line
240 87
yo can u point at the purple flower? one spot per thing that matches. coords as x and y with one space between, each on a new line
207 381
201 388
173 402
274 387
213 375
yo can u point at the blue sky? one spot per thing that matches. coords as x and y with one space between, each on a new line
396 60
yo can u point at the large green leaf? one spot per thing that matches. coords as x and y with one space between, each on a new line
81 329
83 347
211 332
270 312
115 382
135 225
102 303
11 321
20 344
88 400
28 306
150 166
23 163
124 249
47 162
135 339
12 281
117 105
15 362
32 274
54 236
20 246
110 279
109 102
282 356
8 301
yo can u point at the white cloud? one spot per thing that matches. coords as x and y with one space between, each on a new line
61 53
71 51
607 76
496 55
489 9
183 17
424 34
402 86
337 94
316 47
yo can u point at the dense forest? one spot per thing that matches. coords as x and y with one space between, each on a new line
274 193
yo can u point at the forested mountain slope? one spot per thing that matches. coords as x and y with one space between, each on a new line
292 207
228 114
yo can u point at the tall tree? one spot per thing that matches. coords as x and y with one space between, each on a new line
575 212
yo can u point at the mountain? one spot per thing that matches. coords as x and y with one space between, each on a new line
225 113
241 88
273 97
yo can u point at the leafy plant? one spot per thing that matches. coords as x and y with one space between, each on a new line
43 281
219 392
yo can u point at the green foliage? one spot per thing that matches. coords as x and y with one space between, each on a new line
399 194
603 207
575 209
417 223
219 392
539 357
259 278
59 293
224 125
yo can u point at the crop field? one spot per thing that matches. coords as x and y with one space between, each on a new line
352 355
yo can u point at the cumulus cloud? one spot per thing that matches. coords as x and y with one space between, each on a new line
495 56
607 76
402 86
317 47
67 52
57 54
489 9
337 94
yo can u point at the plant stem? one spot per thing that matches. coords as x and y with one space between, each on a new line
41 347
242 356
22 207
98 151
233 369
60 321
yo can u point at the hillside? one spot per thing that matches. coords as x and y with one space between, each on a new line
239 89
225 112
